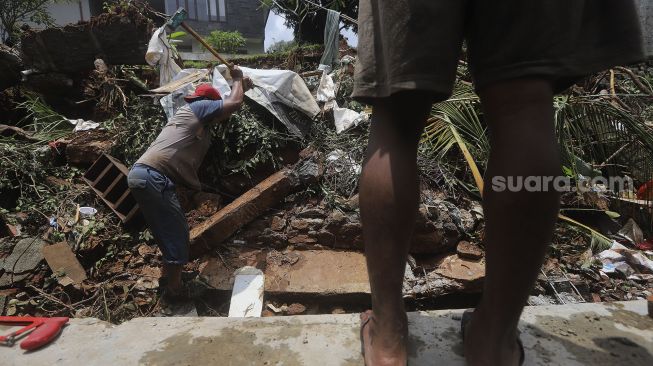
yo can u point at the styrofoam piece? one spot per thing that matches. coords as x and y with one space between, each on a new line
247 294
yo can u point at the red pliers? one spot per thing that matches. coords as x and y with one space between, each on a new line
43 330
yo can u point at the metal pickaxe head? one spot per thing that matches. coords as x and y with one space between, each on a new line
177 18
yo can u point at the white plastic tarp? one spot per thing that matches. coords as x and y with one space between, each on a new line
175 99
159 53
326 91
343 118
278 91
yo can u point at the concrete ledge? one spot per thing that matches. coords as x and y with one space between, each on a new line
582 334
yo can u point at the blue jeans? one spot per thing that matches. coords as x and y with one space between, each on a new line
157 199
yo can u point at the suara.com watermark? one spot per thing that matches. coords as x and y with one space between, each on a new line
560 184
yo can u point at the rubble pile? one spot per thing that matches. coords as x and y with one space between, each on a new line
279 198
440 226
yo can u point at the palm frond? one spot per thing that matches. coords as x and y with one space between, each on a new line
595 134
43 121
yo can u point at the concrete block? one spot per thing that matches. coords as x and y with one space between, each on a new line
219 272
579 334
319 272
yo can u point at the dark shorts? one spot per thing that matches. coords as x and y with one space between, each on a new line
157 199
416 44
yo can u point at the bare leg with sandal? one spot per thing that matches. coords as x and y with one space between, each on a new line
520 54
389 194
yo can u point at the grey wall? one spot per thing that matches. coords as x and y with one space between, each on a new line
646 16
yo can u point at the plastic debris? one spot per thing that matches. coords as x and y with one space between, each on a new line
281 92
159 52
87 212
632 231
631 263
247 296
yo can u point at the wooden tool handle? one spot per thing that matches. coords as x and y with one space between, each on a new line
206 45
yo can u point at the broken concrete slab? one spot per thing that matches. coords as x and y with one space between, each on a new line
250 205
579 334
11 279
219 273
25 256
319 272
468 250
64 264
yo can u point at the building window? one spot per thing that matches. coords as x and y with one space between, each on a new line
202 10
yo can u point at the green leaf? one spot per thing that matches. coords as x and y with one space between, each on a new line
177 35
599 242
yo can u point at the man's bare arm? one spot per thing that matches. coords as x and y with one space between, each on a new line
235 99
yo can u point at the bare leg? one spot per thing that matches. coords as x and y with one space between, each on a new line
519 225
389 194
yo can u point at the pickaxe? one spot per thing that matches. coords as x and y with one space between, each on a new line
178 18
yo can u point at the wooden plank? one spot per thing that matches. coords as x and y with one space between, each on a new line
64 264
243 210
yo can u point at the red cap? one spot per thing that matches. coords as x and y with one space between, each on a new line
204 91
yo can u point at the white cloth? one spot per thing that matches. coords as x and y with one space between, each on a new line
159 53
82 125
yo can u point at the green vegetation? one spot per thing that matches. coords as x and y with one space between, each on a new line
251 138
227 42
15 12
281 46
192 64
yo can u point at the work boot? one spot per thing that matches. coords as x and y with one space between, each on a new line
194 286
176 303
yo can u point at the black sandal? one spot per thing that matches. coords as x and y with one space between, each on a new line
467 317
